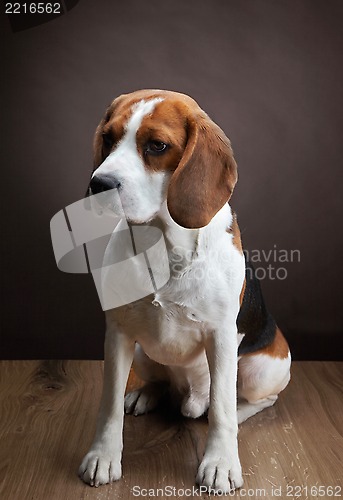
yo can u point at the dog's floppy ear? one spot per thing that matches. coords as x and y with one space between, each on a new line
98 157
205 177
99 154
97 149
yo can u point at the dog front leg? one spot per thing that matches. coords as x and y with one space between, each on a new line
220 468
102 464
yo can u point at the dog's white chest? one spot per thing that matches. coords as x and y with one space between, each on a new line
201 296
168 332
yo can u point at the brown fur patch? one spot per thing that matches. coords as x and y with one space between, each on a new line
205 178
166 124
241 295
277 349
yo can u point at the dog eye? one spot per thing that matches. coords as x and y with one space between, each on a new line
107 140
156 147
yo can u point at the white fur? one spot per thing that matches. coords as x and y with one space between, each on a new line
185 335
141 192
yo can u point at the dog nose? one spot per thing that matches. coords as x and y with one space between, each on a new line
100 183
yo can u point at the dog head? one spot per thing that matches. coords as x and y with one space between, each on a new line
154 145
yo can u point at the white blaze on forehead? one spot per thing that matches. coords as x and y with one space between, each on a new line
127 145
140 110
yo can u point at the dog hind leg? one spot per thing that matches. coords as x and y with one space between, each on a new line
261 378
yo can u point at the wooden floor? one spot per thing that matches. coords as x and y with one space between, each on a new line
48 412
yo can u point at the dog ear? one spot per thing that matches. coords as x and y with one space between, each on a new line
99 154
97 150
205 177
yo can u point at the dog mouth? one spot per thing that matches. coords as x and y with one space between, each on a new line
107 203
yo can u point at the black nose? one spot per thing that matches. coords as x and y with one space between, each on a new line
100 183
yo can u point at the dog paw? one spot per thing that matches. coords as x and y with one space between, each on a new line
143 400
219 475
99 468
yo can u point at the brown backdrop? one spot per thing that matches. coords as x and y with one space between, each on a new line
269 72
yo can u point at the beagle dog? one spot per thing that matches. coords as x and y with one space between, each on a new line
206 334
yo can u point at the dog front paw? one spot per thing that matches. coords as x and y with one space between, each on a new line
100 467
219 474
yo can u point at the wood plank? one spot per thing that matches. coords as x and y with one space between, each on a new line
48 412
